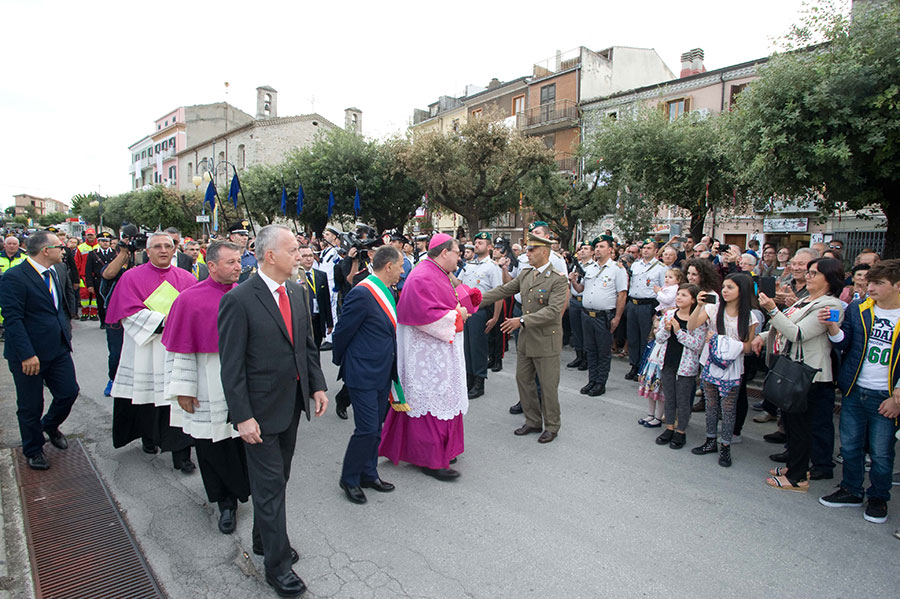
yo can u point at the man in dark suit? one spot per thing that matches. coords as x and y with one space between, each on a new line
96 261
198 269
270 369
365 348
70 300
39 345
316 283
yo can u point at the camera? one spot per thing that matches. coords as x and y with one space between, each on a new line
352 240
132 239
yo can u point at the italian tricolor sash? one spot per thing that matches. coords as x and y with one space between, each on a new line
385 299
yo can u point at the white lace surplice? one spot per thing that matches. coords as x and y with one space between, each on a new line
433 370
198 375
140 376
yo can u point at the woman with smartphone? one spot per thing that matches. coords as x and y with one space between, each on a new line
810 434
702 273
732 326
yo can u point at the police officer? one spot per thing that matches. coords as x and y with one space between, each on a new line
96 261
238 233
544 292
398 240
645 274
583 258
483 274
328 260
604 290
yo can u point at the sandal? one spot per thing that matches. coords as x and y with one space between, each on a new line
782 471
784 483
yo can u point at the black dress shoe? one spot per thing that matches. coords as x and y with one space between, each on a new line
149 448
287 584
632 374
342 413
227 520
38 462
498 366
477 389
57 438
583 366
821 475
546 437
525 430
596 390
781 458
442 473
354 494
516 409
186 467
776 437
295 557
378 485
326 346
586 389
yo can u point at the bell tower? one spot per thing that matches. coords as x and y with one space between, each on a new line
266 102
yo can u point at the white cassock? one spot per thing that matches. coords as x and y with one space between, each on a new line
141 373
198 375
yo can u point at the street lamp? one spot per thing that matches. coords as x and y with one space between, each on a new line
98 204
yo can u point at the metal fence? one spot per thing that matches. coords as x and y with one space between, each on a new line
857 241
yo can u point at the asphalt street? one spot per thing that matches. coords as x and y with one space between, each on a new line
600 512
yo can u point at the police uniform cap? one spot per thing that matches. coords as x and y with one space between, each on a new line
536 224
484 235
334 229
240 228
52 230
399 237
105 235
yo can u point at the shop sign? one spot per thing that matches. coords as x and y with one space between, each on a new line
785 225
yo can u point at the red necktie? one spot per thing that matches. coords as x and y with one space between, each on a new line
284 306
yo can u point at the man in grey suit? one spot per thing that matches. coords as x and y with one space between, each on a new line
270 369
198 269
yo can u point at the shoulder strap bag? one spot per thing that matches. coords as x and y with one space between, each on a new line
788 381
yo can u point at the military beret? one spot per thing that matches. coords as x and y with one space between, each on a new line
484 235
536 224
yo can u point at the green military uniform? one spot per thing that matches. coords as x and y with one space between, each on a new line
540 339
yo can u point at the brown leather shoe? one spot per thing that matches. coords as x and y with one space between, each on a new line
546 437
525 430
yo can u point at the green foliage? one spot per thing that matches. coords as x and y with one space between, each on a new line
474 171
825 122
53 218
10 211
666 163
157 207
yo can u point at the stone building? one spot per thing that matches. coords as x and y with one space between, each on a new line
42 206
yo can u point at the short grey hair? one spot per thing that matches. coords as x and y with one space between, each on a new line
267 238
212 252
37 241
751 258
813 254
173 231
159 234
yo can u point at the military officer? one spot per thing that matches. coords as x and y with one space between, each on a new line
584 258
483 274
645 274
96 261
238 233
604 290
544 292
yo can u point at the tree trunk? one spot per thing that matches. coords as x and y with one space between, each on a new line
698 220
891 210
473 224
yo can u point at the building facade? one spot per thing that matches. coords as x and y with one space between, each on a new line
42 206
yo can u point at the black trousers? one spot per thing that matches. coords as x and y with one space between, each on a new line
598 344
475 343
101 305
223 467
269 466
574 318
640 321
115 336
370 408
806 433
59 376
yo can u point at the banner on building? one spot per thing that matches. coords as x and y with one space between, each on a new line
785 225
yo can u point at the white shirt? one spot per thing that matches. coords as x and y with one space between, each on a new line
40 269
272 285
602 285
481 274
874 373
644 275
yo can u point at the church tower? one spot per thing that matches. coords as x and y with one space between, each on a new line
266 102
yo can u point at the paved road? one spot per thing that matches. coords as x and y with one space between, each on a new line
602 511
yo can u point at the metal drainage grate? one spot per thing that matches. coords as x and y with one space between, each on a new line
79 544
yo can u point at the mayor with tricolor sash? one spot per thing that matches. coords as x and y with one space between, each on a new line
365 349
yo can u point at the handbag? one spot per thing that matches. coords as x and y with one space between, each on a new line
787 383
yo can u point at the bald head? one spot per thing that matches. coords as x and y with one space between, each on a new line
11 245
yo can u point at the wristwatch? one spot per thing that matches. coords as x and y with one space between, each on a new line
522 321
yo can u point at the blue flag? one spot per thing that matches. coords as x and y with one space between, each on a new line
300 199
283 199
234 189
210 197
330 203
356 204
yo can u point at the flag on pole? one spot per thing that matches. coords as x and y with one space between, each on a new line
283 199
300 199
357 208
330 203
234 189
210 197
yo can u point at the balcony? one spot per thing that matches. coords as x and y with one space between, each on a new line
137 167
547 118
567 164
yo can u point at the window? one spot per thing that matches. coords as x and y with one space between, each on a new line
735 92
476 114
548 94
549 141
204 166
158 127
518 105
190 168
165 145
455 125
677 108
167 123
144 154
156 148
150 151
172 174
242 156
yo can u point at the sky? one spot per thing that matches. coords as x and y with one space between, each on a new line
81 81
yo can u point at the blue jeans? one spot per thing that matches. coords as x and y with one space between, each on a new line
859 412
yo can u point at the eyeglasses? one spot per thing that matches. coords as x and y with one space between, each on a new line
55 247
162 246
835 247
811 274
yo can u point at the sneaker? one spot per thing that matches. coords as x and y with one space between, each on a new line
896 480
757 405
841 498
839 458
876 510
764 417
735 439
897 533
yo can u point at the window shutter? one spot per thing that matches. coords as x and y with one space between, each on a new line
687 104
